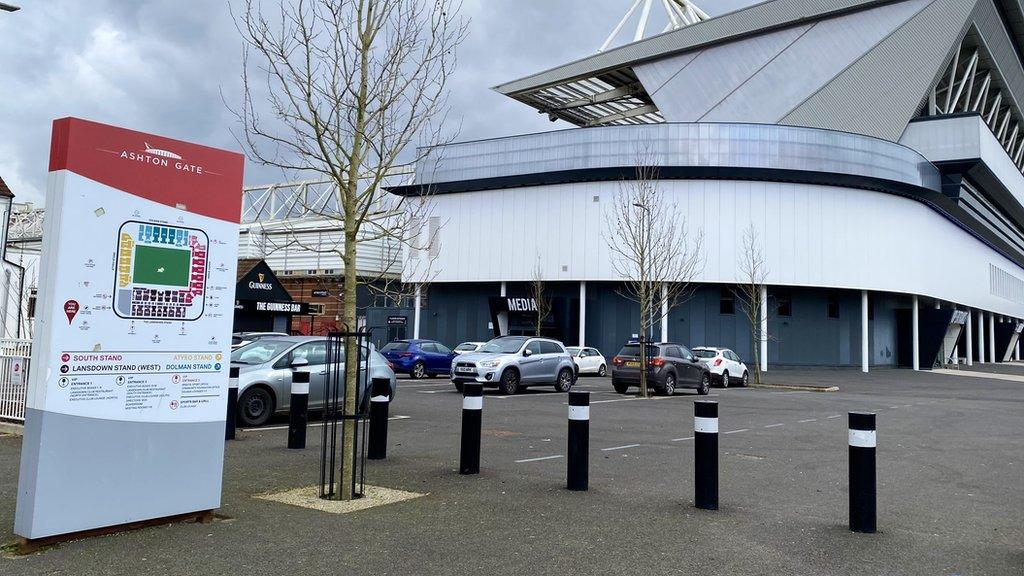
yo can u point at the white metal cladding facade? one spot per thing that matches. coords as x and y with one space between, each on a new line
814 234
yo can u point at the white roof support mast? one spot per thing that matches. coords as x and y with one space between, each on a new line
679 13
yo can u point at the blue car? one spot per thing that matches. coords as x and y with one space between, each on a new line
419 358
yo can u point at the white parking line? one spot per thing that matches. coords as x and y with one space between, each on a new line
619 447
630 399
737 431
774 425
539 459
435 391
835 416
311 425
808 420
681 439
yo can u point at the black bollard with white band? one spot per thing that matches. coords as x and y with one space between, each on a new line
472 409
863 486
705 454
380 400
577 475
298 415
232 413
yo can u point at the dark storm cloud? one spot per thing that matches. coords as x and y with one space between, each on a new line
161 66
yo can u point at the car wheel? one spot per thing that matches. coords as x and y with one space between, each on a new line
705 384
602 371
418 370
620 388
725 379
564 382
670 385
458 386
509 384
745 380
256 406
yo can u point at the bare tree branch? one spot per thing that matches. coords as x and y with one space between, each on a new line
751 292
349 85
540 297
652 249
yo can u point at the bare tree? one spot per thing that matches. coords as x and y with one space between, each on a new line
540 297
350 84
751 292
652 250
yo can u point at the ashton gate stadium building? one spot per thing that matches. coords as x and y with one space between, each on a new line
876 146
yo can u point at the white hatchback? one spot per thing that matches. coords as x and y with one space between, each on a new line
467 347
725 365
588 360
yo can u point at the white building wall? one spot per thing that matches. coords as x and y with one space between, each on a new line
813 236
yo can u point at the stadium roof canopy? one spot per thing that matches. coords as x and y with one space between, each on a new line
865 66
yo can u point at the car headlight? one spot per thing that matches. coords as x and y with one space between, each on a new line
489 363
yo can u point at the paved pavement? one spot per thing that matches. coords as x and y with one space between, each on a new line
951 500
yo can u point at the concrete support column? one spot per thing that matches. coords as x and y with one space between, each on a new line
664 313
583 313
1016 350
504 289
416 313
938 304
981 337
865 352
970 338
991 338
763 336
915 336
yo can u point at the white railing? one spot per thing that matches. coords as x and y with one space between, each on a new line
13 389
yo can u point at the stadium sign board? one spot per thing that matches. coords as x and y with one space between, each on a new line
127 395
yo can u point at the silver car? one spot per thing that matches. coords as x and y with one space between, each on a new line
265 374
514 362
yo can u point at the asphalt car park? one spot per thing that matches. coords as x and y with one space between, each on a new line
949 490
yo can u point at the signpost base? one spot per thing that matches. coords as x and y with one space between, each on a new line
25 546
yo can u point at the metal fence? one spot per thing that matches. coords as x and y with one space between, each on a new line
14 386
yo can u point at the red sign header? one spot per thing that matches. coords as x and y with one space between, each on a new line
198 179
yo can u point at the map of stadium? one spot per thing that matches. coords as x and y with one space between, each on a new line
160 272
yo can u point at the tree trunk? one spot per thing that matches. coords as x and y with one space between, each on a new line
349 322
643 367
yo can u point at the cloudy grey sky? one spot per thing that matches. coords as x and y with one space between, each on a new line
161 66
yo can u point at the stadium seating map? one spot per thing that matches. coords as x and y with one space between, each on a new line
160 272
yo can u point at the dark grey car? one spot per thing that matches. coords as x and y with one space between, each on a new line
670 366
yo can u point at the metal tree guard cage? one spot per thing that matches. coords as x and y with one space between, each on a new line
336 385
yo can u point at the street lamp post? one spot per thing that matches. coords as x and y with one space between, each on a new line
645 268
645 279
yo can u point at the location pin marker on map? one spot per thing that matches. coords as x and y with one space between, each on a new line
70 309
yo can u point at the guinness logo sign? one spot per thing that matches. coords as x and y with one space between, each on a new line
262 284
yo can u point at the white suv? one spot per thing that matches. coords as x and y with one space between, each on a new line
725 366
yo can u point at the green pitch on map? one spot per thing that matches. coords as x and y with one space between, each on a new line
166 266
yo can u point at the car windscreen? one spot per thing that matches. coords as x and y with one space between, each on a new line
464 347
260 352
504 345
573 351
395 347
634 350
704 353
